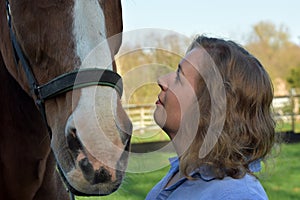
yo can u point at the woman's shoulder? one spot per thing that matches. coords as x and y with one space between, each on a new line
248 187
228 188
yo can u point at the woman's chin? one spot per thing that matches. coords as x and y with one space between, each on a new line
160 115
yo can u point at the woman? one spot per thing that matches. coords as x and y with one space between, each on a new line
216 110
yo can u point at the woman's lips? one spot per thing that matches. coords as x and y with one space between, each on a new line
158 102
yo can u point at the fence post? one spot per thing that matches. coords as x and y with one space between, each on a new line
292 94
142 119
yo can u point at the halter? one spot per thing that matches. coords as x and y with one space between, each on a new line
76 79
61 84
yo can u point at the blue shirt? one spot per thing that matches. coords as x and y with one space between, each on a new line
206 187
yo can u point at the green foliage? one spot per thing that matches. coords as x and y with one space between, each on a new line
294 78
271 45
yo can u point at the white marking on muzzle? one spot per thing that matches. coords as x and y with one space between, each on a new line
94 115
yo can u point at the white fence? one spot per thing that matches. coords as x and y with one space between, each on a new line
286 109
141 117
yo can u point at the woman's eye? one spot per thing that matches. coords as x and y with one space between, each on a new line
177 75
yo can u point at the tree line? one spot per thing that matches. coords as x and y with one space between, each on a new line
141 66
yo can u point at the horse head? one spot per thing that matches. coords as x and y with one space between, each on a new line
90 130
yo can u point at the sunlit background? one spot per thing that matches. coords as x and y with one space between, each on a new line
156 35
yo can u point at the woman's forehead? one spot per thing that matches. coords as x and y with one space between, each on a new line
194 58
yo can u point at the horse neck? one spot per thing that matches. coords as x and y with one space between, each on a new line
19 111
16 104
24 141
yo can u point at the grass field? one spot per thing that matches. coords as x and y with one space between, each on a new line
282 181
281 178
282 127
158 135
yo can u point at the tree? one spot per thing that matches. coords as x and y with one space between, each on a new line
272 46
294 78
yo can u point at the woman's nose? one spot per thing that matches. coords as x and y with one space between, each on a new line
162 82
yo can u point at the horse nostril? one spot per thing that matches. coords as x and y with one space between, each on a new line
72 140
87 169
94 177
101 176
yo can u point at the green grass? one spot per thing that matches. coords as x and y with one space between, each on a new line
281 177
149 136
282 126
158 135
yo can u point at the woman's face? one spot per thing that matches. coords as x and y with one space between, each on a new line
178 92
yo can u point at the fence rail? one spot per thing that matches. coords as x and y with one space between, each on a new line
141 117
286 108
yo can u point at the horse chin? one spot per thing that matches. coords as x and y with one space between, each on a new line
84 180
90 177
80 186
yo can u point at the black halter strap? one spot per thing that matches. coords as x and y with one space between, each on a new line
79 79
63 83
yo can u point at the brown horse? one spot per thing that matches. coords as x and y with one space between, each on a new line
43 44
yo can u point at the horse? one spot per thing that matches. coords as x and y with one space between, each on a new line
63 128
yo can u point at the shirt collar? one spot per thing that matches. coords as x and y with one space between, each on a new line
205 172
255 166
